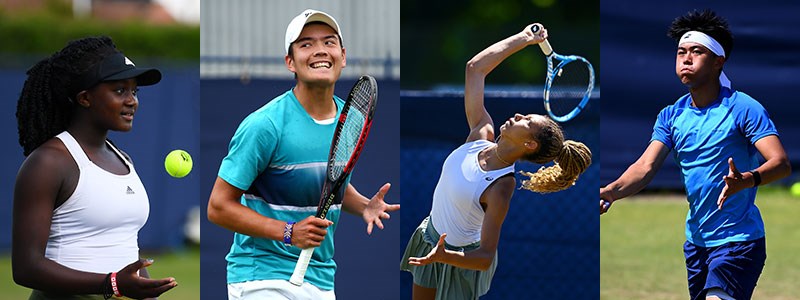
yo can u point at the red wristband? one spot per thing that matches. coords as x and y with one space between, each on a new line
114 286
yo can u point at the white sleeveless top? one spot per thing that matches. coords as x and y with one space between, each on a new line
456 207
96 229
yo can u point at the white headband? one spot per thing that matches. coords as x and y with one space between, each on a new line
712 45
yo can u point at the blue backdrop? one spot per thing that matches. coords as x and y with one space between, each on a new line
639 79
167 119
549 245
367 265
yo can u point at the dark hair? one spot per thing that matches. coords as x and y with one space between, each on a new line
47 101
707 22
572 158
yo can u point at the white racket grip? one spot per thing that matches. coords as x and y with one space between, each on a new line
546 49
545 45
300 268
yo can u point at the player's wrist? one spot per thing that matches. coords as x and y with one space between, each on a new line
288 230
756 178
115 285
106 289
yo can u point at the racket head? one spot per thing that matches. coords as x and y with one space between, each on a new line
349 138
569 85
352 128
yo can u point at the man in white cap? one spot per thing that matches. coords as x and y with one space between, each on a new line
715 131
268 186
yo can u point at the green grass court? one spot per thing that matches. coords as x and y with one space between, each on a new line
183 265
641 247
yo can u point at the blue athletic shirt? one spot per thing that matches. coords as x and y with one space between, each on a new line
278 155
703 139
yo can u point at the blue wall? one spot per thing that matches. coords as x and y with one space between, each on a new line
167 119
549 245
764 63
367 265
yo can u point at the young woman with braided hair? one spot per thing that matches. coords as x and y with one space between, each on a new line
78 202
475 188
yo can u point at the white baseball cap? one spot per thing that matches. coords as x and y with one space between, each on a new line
308 16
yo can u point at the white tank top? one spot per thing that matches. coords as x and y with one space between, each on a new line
96 229
456 207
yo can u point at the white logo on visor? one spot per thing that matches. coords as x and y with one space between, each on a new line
129 62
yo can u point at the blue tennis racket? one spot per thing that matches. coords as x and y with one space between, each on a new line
569 84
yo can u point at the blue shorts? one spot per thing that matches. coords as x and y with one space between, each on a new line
733 267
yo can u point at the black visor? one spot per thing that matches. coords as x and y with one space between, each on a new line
116 67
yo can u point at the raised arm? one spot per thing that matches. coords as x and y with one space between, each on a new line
638 175
480 123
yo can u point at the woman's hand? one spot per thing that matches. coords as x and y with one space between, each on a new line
131 285
436 254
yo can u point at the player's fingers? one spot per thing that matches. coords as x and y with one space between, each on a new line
732 166
385 215
379 223
321 223
382 191
392 207
309 243
156 283
441 239
369 228
604 206
317 232
722 197
135 266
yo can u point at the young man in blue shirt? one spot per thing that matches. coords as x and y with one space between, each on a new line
715 131
275 170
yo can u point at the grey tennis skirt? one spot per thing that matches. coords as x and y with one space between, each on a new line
449 281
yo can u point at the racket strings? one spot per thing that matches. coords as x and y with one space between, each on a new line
571 85
354 120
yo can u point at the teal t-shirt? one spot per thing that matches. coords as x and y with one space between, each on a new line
278 155
703 139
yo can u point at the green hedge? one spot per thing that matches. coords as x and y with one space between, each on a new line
43 34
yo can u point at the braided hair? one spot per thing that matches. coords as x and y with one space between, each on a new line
571 159
47 101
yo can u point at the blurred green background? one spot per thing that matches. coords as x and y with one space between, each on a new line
30 33
439 37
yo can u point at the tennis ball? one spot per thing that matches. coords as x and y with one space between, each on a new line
795 190
178 163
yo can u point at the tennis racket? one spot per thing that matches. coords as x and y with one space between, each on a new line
569 84
348 141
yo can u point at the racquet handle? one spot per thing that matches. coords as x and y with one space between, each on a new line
302 265
545 45
606 204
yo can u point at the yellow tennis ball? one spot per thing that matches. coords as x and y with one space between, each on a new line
795 190
178 163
